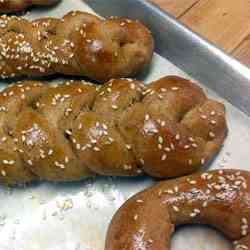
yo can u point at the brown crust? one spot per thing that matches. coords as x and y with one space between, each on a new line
78 44
9 6
123 128
218 198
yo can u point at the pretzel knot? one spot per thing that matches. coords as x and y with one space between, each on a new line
79 44
71 131
8 6
218 198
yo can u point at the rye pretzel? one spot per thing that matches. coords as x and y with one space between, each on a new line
217 198
123 128
78 44
9 6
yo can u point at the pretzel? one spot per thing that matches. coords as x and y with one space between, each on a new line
71 131
78 44
8 6
218 198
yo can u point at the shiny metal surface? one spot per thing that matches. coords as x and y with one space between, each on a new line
50 216
189 52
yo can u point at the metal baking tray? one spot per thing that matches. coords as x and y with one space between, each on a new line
75 216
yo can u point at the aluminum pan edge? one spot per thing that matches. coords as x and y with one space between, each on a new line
187 50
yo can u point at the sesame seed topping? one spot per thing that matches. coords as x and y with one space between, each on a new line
139 201
3 173
160 139
176 209
114 107
177 137
163 157
175 88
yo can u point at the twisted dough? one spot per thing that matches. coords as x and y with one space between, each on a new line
218 198
123 128
79 44
8 6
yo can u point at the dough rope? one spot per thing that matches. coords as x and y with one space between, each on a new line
218 198
78 44
124 128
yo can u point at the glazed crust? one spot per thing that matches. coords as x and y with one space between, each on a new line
123 128
78 44
9 6
218 198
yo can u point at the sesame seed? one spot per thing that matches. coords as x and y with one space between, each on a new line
176 209
139 201
66 159
244 220
68 132
177 137
127 167
163 157
142 161
30 162
167 149
50 152
204 204
160 139
169 191
175 88
96 149
3 173
191 139
80 126
114 107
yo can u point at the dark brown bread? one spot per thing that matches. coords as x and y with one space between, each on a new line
123 128
78 44
218 198
9 6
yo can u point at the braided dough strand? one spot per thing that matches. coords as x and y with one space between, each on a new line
9 6
78 44
123 128
218 198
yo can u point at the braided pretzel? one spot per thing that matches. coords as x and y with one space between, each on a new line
8 6
218 198
123 128
79 44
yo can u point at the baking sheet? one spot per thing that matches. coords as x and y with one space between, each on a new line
51 216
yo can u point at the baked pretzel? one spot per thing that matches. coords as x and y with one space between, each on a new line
8 6
78 44
123 128
218 198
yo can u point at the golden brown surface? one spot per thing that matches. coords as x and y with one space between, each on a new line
78 44
123 128
8 6
218 198
225 23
